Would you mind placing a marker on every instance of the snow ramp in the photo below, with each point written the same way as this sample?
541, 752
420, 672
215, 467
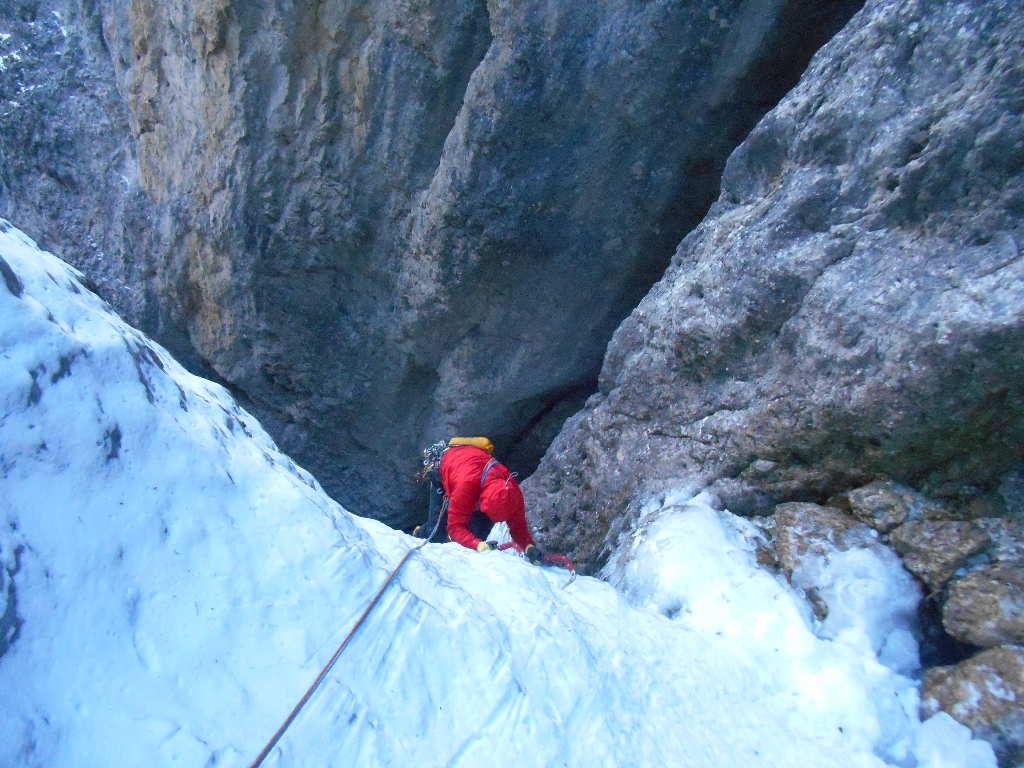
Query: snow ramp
172, 583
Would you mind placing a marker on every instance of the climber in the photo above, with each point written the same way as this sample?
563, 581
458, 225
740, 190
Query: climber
479, 492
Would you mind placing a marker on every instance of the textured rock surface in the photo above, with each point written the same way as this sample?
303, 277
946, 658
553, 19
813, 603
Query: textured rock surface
802, 529
986, 607
1007, 539
884, 505
852, 305
933, 550
985, 693
68, 173
388, 221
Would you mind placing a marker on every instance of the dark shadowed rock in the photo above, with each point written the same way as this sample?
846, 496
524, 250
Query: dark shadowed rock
853, 304
985, 693
986, 607
933, 550
740, 498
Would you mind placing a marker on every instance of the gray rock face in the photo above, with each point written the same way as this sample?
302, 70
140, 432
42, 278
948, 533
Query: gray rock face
386, 222
852, 305
986, 607
985, 694
68, 174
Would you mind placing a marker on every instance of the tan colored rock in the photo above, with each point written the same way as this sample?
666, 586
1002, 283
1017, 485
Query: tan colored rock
802, 529
986, 607
933, 550
885, 504
985, 693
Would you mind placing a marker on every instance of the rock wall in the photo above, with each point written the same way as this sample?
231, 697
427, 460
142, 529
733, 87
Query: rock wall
385, 222
852, 305
68, 172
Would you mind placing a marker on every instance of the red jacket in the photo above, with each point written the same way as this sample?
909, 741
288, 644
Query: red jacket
498, 497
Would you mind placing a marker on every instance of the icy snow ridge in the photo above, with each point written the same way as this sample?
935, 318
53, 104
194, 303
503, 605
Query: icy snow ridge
172, 584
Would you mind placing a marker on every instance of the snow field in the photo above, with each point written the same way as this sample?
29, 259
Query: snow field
179, 583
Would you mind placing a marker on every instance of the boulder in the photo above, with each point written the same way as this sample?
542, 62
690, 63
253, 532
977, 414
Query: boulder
986, 607
851, 580
933, 550
985, 693
851, 306
885, 504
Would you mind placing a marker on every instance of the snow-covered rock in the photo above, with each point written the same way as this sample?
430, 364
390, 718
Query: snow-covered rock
984, 693
172, 584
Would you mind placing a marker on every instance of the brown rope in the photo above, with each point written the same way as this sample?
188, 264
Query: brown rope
319, 679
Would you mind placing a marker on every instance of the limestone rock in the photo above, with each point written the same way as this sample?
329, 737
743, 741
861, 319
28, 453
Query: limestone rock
814, 544
853, 304
884, 505
986, 607
933, 550
985, 693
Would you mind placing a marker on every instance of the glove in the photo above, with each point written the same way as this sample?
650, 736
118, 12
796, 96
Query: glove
483, 546
534, 555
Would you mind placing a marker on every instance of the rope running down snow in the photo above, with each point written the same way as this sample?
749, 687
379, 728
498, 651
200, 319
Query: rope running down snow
319, 679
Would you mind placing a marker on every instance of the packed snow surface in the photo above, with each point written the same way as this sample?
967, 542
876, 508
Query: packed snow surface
172, 584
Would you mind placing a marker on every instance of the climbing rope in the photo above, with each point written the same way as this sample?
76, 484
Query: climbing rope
323, 673
548, 560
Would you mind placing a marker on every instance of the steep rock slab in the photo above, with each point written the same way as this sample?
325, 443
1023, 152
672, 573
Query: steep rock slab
392, 221
984, 693
852, 305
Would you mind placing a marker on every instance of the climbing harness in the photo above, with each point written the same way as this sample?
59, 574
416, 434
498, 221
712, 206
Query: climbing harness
323, 673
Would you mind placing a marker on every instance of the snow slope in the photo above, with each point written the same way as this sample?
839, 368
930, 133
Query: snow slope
172, 584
